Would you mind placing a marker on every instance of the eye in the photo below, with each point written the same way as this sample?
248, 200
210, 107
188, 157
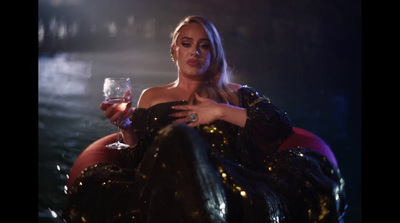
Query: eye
205, 46
185, 44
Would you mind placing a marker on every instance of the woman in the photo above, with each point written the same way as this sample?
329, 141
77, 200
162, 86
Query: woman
203, 149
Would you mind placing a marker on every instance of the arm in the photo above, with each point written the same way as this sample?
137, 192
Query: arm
267, 126
130, 137
232, 114
208, 111
131, 134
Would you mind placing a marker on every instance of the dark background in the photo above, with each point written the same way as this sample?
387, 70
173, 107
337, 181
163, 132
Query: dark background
304, 55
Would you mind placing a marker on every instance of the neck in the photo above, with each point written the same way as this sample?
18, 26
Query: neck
186, 84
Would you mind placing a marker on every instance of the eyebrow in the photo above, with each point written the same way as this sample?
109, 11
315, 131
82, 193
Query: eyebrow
189, 38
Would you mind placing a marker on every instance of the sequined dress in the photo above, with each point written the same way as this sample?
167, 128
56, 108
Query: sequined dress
215, 173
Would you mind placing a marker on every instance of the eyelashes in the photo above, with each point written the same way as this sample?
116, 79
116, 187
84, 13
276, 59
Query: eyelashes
204, 46
186, 45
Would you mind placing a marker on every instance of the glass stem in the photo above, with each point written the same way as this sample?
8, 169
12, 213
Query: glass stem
118, 130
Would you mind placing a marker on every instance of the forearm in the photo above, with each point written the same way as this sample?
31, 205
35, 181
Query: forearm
129, 136
232, 114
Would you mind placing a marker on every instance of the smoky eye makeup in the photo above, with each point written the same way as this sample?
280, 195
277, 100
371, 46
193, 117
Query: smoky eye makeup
205, 46
186, 44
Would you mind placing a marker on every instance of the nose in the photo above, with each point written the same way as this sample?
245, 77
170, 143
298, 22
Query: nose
196, 51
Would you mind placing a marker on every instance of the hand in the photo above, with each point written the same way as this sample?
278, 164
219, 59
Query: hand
118, 113
207, 111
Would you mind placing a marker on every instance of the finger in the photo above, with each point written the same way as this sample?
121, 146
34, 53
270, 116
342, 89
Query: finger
179, 114
182, 107
128, 105
124, 107
116, 116
127, 114
110, 110
104, 105
122, 115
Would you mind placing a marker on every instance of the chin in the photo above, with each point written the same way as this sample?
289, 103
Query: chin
193, 72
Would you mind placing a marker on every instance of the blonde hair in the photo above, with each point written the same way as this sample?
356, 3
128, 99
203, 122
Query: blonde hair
217, 77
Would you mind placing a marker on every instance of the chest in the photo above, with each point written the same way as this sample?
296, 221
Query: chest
170, 96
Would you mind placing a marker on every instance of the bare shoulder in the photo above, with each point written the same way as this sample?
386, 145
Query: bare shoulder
235, 86
149, 95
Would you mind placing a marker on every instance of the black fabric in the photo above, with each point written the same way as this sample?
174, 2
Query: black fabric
213, 173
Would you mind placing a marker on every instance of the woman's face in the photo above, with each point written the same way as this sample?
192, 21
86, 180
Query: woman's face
192, 51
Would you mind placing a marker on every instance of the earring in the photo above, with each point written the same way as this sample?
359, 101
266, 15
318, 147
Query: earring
172, 53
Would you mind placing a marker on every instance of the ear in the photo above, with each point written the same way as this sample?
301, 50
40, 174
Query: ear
172, 51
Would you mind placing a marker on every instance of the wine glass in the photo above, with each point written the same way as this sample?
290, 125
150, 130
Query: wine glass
118, 91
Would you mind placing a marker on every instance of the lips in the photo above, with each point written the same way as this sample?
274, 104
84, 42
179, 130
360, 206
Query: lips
193, 63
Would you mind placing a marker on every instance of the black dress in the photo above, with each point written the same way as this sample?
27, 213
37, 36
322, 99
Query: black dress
217, 172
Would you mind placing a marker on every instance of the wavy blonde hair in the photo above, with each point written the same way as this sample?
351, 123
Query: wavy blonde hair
217, 77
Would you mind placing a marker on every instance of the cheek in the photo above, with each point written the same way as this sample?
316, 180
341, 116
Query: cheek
180, 51
207, 60
176, 51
